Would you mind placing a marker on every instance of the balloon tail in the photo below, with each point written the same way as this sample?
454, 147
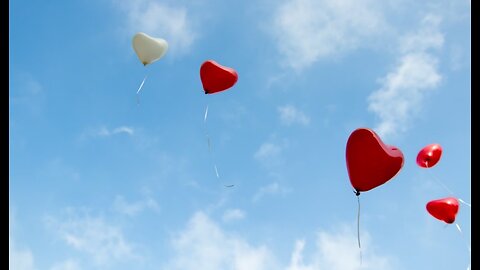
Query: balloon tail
458, 227
467, 204
209, 143
468, 245
447, 189
216, 171
358, 226
440, 183
209, 146
206, 113
140, 88
141, 85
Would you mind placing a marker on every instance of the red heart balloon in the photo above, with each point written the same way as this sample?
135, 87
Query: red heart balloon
445, 209
216, 78
429, 155
370, 162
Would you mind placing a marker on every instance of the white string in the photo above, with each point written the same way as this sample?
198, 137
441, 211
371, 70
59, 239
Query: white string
205, 117
140, 88
210, 146
468, 245
446, 188
358, 226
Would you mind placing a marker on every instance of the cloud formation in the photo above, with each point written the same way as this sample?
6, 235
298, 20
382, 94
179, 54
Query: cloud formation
400, 97
134, 208
290, 115
103, 241
233, 214
106, 132
203, 244
158, 19
309, 30
20, 259
270, 189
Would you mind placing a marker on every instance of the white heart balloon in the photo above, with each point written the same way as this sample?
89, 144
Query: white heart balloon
149, 49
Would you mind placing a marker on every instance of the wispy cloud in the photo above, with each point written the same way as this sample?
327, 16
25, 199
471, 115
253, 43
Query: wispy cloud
339, 251
290, 115
106, 132
69, 264
271, 189
104, 242
203, 244
403, 89
267, 150
134, 208
233, 214
170, 22
20, 259
309, 30
270, 153
27, 93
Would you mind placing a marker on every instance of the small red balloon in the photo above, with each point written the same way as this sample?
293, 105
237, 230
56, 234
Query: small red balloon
370, 162
445, 209
429, 155
216, 78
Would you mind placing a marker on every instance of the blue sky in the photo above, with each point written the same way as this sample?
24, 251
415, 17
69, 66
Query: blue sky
97, 181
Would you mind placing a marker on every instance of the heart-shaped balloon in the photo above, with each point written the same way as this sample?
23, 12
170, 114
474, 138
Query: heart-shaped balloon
445, 209
216, 78
149, 49
429, 155
370, 162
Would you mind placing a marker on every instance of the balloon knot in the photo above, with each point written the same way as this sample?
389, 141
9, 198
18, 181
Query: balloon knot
357, 193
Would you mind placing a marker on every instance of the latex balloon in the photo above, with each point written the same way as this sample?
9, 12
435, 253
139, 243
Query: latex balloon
370, 162
216, 78
445, 209
429, 155
149, 49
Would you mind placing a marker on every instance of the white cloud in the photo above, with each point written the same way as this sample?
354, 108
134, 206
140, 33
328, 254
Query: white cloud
233, 214
104, 242
160, 20
27, 93
273, 188
66, 265
339, 251
20, 259
403, 90
203, 244
309, 30
105, 132
123, 129
268, 151
296, 262
426, 38
290, 115
133, 208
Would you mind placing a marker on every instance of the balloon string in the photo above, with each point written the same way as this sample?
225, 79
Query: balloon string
468, 245
210, 146
140, 88
358, 225
205, 117
446, 188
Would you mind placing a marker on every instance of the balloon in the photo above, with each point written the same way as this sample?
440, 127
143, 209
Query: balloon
370, 162
149, 49
216, 78
444, 209
429, 155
